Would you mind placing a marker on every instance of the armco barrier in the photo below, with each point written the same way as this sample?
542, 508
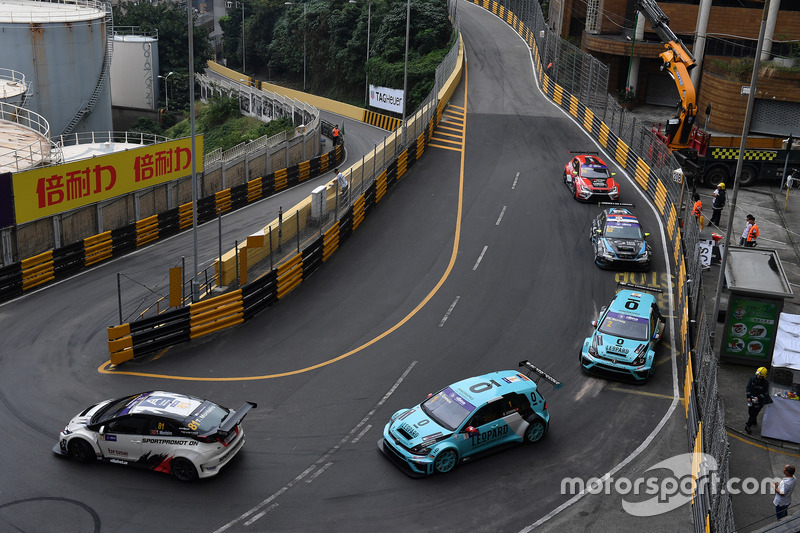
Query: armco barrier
278, 282
33, 272
651, 166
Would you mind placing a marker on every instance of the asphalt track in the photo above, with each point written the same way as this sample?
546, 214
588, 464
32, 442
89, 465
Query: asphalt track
475, 260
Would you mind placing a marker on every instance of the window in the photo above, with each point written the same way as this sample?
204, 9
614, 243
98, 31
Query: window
163, 427
488, 413
126, 426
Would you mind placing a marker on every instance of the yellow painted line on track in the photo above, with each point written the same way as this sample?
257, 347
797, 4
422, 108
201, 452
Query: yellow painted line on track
763, 447
107, 367
641, 393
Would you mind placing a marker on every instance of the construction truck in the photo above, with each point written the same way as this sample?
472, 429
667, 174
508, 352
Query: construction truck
705, 159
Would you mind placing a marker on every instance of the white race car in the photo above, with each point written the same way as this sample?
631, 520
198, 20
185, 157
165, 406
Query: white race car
174, 433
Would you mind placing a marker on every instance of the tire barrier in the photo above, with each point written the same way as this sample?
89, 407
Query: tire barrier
33, 272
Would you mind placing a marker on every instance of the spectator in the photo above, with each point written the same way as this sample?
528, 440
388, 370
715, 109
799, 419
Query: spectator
342, 181
718, 203
783, 491
750, 232
335, 134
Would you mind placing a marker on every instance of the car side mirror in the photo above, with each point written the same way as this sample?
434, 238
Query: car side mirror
656, 335
102, 430
471, 430
646, 235
598, 231
594, 323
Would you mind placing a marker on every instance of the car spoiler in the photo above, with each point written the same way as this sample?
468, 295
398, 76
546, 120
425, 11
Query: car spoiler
541, 373
640, 287
616, 204
235, 417
583, 152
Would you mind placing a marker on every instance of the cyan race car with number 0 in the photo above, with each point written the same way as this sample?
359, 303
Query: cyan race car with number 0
182, 435
466, 419
625, 336
619, 241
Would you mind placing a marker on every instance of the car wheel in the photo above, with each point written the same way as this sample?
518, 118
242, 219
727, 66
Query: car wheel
183, 469
445, 461
718, 174
535, 431
81, 451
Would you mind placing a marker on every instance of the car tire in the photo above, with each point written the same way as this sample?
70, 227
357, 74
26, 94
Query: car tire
717, 174
81, 451
183, 469
749, 176
535, 431
445, 461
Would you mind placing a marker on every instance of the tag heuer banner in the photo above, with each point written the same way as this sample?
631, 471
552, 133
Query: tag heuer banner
385, 98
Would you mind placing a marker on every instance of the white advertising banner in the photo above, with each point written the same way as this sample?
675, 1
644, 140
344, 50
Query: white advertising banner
385, 98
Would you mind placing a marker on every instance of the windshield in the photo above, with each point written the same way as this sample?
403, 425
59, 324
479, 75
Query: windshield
447, 408
594, 172
627, 326
114, 409
622, 229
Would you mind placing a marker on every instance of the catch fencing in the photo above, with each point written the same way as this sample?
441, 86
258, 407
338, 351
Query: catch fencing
578, 83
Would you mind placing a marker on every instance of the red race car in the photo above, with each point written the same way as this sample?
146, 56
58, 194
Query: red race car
588, 177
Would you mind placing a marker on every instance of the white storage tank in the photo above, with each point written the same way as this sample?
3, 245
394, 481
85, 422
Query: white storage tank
61, 47
134, 69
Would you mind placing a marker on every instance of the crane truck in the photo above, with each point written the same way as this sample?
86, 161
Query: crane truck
709, 160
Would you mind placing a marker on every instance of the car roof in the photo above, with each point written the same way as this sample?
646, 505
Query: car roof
505, 381
586, 159
623, 296
162, 403
621, 217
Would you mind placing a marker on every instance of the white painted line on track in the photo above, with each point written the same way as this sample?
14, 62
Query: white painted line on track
364, 432
516, 179
316, 474
480, 258
318, 462
450, 310
675, 389
503, 212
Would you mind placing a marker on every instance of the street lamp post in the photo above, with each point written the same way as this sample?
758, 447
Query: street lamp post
405, 69
244, 69
304, 42
166, 89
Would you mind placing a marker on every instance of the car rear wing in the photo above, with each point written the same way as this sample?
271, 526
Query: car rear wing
541, 373
235, 417
640, 287
616, 204
583, 152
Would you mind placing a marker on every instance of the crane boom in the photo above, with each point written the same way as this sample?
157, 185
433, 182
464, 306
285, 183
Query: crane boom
677, 61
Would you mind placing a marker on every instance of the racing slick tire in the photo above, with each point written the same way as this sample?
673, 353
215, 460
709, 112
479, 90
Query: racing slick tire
183, 469
445, 461
81, 451
535, 431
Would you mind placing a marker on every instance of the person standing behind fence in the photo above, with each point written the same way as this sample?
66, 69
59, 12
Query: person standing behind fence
718, 203
342, 181
697, 210
757, 397
749, 234
336, 135
783, 491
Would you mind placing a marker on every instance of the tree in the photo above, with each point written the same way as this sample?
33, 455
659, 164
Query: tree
169, 20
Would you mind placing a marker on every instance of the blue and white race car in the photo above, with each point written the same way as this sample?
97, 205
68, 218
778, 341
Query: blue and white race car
618, 240
625, 336
467, 419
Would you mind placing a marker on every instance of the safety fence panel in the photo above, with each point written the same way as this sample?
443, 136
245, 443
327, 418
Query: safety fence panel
577, 83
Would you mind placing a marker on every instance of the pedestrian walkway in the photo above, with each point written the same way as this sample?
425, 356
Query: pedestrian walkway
754, 456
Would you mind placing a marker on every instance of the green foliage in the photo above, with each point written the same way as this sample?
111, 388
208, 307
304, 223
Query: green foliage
146, 125
224, 127
739, 69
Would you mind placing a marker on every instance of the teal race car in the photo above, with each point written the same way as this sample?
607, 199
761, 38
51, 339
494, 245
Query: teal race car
468, 419
625, 336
